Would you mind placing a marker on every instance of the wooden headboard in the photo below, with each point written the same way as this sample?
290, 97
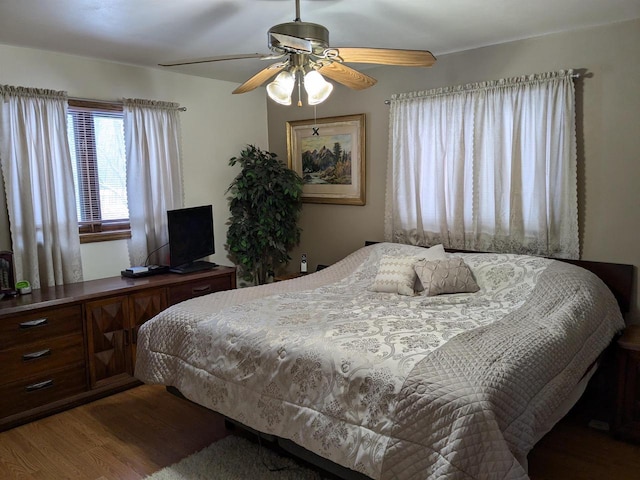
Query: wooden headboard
617, 276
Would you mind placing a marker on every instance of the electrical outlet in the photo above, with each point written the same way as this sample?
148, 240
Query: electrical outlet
303, 263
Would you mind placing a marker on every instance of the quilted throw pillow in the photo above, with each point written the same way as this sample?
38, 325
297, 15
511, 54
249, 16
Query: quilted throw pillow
395, 275
445, 276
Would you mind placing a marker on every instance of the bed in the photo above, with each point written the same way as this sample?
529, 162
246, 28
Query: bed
446, 378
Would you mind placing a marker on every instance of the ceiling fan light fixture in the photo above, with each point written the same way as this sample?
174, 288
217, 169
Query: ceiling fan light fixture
318, 89
306, 46
281, 88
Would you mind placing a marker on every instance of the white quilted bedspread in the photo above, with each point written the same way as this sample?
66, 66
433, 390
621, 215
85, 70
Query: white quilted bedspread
453, 386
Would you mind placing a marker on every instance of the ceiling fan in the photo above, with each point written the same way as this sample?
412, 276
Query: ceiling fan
304, 55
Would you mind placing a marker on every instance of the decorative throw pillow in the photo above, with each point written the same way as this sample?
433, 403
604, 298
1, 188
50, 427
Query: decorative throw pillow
445, 276
395, 275
432, 253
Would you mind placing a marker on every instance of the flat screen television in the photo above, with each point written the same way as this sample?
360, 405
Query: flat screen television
190, 238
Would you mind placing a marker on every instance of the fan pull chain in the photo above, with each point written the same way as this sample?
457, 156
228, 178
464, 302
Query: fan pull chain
315, 129
315, 122
299, 95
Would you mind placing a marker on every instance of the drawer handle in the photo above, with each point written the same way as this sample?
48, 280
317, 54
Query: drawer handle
34, 355
34, 323
39, 386
202, 289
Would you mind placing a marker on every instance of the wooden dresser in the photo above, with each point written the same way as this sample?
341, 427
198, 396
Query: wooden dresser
67, 345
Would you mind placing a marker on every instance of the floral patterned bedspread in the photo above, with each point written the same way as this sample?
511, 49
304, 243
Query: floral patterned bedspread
336, 368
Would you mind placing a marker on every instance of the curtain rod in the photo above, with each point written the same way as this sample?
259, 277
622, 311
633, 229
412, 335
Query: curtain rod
114, 102
573, 75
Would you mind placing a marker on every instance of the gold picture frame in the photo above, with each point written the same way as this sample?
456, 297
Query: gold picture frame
329, 154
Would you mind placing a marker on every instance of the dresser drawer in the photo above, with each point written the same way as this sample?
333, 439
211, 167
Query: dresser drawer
36, 391
42, 324
197, 288
36, 358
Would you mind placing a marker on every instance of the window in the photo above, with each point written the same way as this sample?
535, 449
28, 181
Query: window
488, 166
96, 139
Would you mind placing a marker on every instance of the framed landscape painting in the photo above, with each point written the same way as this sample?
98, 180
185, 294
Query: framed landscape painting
329, 155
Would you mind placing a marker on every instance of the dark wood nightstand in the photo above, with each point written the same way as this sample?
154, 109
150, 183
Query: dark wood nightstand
626, 421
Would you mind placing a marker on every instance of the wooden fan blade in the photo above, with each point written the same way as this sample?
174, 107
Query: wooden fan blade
260, 77
387, 56
240, 56
347, 76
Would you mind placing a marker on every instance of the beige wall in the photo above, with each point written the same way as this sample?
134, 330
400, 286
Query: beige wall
608, 141
215, 127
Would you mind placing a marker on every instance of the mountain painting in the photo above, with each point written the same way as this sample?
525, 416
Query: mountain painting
327, 159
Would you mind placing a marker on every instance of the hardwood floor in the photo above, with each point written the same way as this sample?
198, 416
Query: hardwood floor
125, 436
574, 451
135, 433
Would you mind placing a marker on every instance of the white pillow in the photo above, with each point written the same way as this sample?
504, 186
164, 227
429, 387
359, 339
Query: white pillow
434, 253
395, 275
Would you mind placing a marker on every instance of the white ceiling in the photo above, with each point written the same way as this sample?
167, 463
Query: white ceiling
147, 32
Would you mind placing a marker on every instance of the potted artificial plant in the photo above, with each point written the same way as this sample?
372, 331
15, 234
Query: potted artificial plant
265, 202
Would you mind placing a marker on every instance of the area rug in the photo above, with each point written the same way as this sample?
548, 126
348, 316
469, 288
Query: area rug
235, 458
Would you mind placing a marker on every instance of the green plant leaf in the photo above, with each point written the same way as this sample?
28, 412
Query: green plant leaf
265, 200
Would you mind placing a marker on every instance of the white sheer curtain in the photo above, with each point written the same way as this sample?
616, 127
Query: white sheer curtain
154, 174
38, 176
488, 166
